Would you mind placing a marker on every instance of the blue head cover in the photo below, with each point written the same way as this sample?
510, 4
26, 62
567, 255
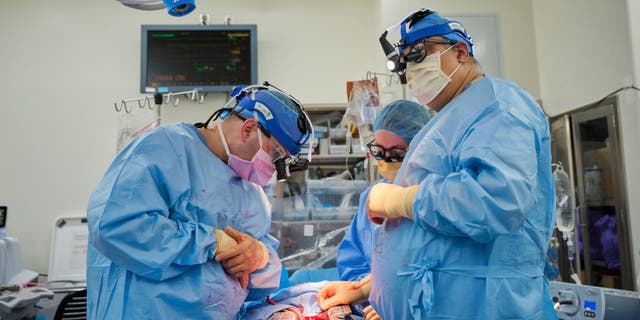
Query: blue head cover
278, 113
403, 118
431, 25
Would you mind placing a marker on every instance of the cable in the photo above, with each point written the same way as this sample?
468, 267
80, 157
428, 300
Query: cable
594, 104
597, 103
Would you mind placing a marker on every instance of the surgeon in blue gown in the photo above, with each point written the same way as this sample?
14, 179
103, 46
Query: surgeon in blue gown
178, 225
394, 128
467, 221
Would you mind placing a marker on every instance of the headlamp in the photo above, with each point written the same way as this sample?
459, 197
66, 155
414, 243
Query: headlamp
412, 30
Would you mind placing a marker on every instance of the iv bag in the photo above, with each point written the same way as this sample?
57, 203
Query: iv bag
565, 204
363, 107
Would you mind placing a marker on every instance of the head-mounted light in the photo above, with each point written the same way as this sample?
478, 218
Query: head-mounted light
412, 30
392, 52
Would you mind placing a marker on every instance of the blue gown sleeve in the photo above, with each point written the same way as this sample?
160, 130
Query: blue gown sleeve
353, 262
132, 225
490, 191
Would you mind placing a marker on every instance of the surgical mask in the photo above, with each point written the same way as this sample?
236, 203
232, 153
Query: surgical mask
426, 79
388, 170
259, 170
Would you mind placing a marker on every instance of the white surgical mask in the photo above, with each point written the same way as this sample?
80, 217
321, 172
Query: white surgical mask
426, 79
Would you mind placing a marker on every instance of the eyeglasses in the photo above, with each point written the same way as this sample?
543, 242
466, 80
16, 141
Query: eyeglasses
393, 154
418, 50
277, 152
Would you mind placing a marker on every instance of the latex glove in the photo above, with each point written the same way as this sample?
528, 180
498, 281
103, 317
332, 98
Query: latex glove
244, 258
224, 242
371, 314
388, 200
344, 292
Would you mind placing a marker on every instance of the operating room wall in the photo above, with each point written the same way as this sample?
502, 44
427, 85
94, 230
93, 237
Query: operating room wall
586, 50
515, 31
64, 63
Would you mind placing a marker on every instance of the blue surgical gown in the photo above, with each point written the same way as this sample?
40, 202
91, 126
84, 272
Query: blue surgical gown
151, 238
354, 251
483, 214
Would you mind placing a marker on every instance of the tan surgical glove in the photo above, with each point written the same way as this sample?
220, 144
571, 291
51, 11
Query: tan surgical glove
247, 256
390, 201
370, 313
240, 255
224, 241
344, 292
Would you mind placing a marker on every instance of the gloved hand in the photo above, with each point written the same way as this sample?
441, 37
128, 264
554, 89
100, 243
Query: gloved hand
244, 258
388, 200
344, 292
224, 241
370, 313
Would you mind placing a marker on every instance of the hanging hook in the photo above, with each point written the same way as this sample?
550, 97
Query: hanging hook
369, 75
201, 98
124, 106
115, 105
177, 100
166, 101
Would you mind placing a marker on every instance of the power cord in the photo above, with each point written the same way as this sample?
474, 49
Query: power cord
597, 103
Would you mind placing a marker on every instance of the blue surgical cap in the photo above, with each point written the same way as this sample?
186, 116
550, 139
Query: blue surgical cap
278, 114
435, 25
403, 118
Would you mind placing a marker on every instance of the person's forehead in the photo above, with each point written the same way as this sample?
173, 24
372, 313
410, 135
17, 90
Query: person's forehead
388, 139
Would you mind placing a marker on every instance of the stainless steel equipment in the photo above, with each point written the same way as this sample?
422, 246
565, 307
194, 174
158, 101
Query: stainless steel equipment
587, 142
572, 301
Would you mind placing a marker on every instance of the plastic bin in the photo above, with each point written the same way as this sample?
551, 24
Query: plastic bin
310, 226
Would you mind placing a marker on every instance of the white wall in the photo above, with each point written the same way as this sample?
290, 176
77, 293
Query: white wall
64, 63
516, 31
586, 50
583, 51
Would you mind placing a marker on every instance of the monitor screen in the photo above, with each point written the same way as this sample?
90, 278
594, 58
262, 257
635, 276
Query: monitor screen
210, 58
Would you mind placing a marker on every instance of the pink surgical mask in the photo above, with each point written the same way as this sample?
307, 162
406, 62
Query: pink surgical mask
259, 170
